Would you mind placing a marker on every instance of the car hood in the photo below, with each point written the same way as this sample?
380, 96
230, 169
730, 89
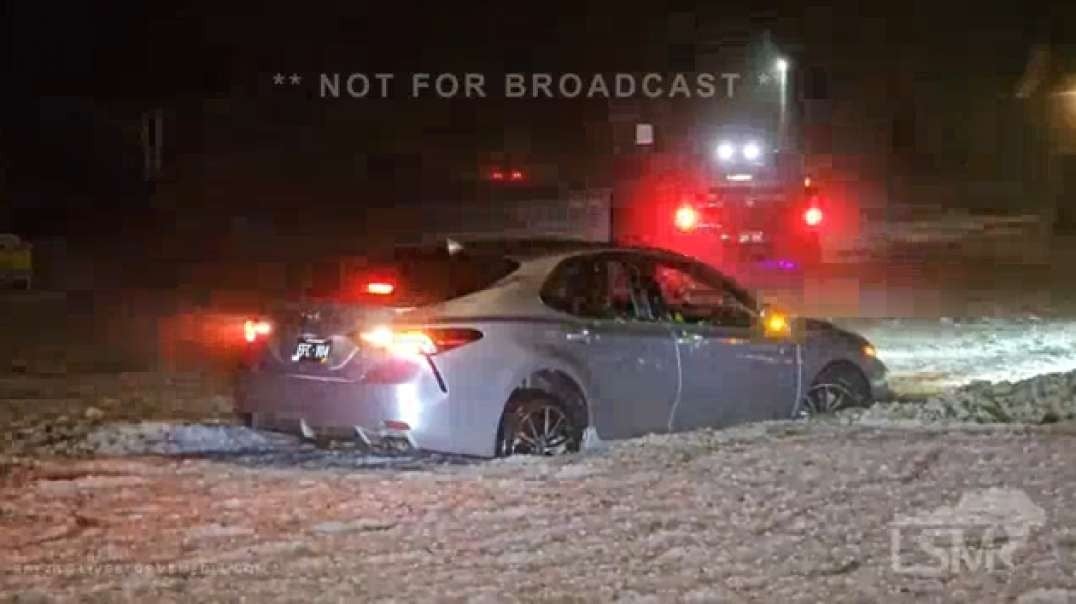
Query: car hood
811, 324
821, 327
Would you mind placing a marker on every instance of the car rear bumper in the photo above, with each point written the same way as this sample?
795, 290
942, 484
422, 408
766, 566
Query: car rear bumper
416, 412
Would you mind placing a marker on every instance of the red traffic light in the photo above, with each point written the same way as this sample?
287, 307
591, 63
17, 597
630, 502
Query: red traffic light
686, 218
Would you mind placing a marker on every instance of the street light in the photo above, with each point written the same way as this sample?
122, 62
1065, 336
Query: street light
782, 124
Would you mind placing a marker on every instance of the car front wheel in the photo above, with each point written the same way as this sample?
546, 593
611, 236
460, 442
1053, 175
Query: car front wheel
837, 387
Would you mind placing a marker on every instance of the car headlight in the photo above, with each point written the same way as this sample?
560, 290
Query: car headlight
725, 151
869, 351
752, 151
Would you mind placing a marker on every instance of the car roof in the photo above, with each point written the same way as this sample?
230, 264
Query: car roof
536, 255
517, 293
534, 249
540, 264
523, 249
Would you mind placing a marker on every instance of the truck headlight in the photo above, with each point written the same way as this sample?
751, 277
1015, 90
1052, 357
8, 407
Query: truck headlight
725, 151
752, 151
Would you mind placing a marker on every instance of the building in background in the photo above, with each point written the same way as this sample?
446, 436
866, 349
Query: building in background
1046, 93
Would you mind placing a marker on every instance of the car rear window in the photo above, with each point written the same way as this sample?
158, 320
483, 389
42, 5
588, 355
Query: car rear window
417, 277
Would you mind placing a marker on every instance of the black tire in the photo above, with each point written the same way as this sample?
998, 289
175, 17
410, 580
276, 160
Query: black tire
537, 423
838, 386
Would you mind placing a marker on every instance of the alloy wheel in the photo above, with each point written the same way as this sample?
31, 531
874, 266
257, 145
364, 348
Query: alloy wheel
541, 430
827, 398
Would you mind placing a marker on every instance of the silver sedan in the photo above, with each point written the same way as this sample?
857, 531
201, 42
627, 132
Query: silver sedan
501, 348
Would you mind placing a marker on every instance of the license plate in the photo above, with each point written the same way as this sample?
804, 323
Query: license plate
312, 350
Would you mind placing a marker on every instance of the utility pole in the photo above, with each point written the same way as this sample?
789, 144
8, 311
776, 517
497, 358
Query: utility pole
152, 142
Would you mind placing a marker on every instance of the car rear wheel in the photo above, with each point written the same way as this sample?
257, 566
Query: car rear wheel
536, 423
837, 387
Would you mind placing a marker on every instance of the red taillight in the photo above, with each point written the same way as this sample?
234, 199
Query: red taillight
452, 337
813, 216
413, 342
380, 288
397, 425
252, 329
686, 218
497, 175
516, 175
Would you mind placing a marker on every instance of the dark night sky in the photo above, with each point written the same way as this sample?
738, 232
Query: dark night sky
155, 49
74, 68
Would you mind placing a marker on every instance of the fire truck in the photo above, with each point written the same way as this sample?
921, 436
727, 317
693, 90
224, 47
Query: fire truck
754, 208
728, 182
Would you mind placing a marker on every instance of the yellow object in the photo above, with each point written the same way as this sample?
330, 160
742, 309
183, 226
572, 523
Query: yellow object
16, 259
870, 351
776, 324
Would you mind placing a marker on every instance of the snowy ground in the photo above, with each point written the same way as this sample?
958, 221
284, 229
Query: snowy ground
136, 487
782, 512
929, 355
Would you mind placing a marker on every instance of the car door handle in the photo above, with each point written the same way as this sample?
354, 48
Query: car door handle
582, 336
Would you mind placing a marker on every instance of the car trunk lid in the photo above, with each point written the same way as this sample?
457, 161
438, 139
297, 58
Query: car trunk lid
321, 337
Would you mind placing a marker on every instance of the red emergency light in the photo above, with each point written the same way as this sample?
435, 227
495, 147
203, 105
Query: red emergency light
380, 288
686, 218
813, 216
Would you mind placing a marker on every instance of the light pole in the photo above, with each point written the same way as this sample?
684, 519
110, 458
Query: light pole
781, 66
